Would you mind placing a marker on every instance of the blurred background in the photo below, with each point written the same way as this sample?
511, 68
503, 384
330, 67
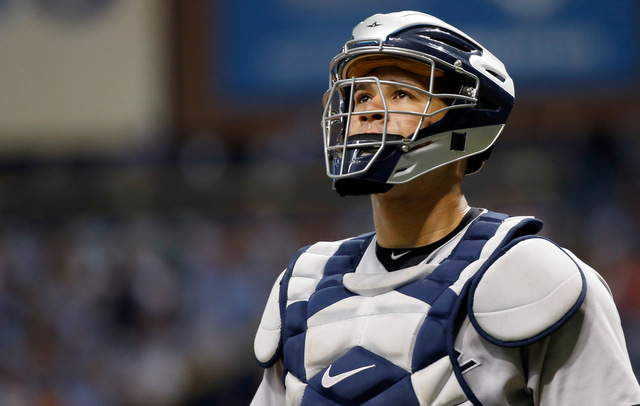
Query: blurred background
161, 161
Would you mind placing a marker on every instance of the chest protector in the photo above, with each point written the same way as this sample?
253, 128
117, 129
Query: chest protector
354, 336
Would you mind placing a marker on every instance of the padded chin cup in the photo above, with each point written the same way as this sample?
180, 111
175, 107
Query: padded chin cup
359, 187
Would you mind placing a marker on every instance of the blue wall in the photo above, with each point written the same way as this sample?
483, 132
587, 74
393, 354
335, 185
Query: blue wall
282, 48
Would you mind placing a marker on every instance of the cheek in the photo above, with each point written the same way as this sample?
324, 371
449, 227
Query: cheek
353, 127
410, 122
435, 106
404, 124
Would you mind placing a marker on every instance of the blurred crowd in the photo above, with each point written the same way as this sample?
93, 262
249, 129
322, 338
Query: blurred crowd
158, 304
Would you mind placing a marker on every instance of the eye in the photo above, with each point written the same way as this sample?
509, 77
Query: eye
403, 94
361, 97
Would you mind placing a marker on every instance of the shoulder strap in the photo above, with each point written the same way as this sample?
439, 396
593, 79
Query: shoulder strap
299, 281
444, 289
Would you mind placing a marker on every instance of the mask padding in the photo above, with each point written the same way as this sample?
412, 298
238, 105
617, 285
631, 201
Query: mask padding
359, 187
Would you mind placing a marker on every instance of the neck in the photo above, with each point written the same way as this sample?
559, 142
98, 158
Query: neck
420, 212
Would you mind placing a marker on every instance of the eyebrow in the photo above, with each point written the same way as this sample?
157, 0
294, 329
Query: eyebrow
363, 86
367, 86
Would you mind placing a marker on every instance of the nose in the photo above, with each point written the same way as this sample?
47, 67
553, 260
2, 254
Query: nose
371, 111
371, 117
367, 122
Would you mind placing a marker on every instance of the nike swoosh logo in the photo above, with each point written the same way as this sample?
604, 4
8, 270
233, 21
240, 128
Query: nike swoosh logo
394, 256
328, 380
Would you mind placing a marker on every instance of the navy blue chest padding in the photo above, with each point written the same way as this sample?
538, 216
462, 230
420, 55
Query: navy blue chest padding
431, 344
435, 337
368, 389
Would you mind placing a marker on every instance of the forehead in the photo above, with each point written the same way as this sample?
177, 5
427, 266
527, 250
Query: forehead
393, 73
363, 65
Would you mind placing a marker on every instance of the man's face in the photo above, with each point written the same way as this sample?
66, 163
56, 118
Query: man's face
398, 96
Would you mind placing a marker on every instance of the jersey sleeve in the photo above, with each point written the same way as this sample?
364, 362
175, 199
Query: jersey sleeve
271, 391
586, 361
583, 361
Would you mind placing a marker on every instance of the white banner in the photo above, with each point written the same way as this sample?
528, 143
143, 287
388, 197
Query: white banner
81, 75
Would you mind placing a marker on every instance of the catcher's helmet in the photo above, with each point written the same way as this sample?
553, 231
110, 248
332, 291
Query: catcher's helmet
474, 84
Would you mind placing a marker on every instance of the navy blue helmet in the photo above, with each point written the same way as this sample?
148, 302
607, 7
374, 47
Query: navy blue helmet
475, 86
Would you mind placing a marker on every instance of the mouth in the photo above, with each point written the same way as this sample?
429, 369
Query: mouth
368, 144
362, 138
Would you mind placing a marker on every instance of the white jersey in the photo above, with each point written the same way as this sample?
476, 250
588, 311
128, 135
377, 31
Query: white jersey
497, 334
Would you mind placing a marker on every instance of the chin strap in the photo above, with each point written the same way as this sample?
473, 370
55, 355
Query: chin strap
359, 187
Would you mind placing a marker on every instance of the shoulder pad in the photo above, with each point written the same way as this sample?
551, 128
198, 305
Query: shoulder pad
267, 342
304, 269
525, 291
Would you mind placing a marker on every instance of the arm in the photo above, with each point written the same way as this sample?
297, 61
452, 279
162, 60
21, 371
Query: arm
586, 361
271, 390
541, 349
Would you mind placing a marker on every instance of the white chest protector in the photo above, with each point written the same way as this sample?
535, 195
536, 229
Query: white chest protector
350, 333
